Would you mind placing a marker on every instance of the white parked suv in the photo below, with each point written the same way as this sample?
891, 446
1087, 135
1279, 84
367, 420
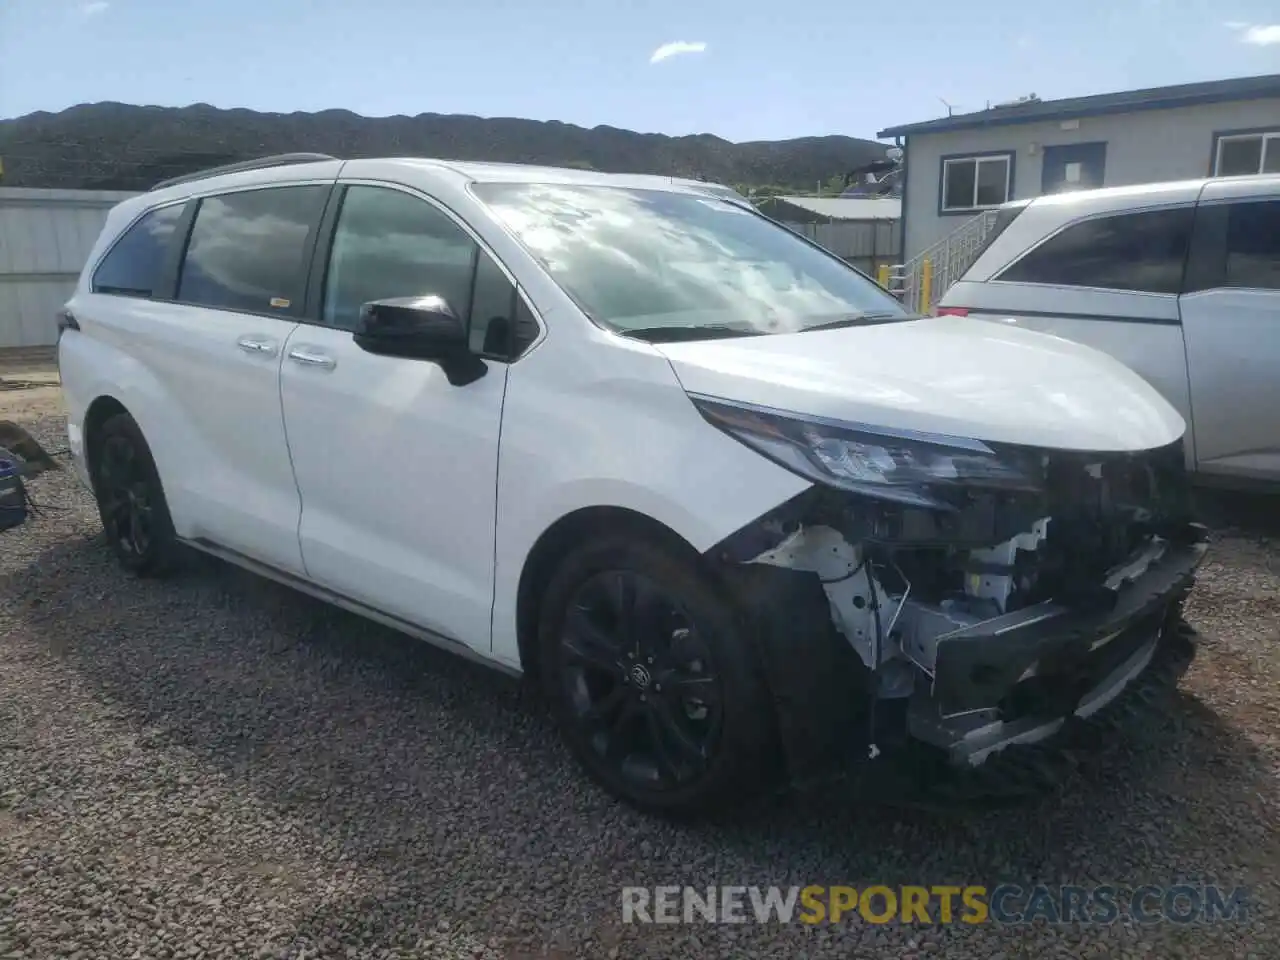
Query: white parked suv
1180, 281
737, 513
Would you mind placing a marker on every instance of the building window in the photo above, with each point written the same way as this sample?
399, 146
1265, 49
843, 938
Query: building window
976, 183
1247, 153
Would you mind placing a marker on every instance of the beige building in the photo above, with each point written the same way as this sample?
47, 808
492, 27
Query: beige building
958, 166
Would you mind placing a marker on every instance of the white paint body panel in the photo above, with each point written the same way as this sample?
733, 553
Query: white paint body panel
948, 375
1233, 372
396, 469
375, 479
209, 410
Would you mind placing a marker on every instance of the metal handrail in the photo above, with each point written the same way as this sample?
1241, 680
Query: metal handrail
922, 280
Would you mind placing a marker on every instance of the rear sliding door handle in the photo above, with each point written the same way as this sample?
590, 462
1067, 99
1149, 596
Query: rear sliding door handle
311, 358
257, 345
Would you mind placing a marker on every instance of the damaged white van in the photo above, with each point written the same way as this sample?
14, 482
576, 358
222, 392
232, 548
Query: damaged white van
741, 517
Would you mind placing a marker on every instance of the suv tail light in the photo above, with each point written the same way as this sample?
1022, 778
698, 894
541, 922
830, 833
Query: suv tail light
953, 311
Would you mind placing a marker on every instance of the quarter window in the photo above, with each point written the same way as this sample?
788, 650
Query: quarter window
248, 251
1133, 251
1253, 245
1247, 153
135, 265
390, 244
974, 183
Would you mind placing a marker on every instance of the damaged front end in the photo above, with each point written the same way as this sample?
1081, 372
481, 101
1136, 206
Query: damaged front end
956, 598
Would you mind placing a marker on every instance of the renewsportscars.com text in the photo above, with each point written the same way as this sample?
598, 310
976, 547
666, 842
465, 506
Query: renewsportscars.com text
938, 904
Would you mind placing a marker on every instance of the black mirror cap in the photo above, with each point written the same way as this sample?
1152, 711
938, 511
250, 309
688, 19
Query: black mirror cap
419, 328
427, 325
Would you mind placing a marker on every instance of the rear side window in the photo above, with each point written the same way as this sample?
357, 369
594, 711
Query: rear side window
1142, 251
249, 251
1253, 245
135, 266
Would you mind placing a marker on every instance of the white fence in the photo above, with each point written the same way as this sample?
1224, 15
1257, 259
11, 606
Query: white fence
45, 238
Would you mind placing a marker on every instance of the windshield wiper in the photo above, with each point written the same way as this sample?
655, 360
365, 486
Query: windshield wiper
715, 331
861, 320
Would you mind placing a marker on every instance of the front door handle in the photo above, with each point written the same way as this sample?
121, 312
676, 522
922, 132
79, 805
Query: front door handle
312, 359
257, 345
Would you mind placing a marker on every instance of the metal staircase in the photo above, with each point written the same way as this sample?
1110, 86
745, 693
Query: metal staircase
922, 280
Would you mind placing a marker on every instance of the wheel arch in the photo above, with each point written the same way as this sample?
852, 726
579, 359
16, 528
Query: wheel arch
102, 409
554, 545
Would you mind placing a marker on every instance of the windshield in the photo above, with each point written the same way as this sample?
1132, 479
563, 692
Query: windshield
645, 261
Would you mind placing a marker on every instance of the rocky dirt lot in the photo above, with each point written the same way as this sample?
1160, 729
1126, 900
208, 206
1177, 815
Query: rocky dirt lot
214, 766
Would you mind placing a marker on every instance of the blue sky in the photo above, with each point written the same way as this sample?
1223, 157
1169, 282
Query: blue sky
749, 69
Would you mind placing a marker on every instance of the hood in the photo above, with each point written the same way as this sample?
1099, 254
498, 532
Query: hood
950, 375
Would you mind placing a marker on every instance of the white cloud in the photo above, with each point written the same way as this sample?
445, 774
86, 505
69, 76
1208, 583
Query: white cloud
93, 8
1262, 36
676, 49
1258, 35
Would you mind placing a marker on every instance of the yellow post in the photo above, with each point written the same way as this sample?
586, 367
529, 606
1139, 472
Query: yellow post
882, 275
926, 286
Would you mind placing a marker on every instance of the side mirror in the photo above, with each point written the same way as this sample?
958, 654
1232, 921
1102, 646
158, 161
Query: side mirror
419, 328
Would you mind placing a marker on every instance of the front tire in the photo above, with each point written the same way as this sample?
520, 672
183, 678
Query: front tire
131, 501
653, 679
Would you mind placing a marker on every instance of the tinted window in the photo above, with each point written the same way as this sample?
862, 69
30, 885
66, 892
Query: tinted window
390, 244
135, 265
1253, 245
526, 328
248, 251
492, 310
1132, 251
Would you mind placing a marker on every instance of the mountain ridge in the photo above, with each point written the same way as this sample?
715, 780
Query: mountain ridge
117, 146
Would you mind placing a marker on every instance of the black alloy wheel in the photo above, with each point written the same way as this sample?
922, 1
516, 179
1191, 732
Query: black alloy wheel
131, 502
639, 680
127, 513
652, 677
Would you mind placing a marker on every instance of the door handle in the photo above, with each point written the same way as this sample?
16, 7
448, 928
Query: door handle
312, 359
256, 345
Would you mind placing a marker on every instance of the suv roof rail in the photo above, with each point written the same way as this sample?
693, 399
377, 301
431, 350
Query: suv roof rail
261, 163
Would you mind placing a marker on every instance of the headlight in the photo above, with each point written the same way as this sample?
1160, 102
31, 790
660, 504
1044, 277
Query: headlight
902, 466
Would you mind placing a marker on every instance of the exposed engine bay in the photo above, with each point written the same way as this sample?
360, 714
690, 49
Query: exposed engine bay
990, 621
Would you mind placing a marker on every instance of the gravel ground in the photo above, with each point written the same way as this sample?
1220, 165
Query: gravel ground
215, 766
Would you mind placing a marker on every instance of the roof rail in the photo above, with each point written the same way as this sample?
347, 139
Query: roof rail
261, 163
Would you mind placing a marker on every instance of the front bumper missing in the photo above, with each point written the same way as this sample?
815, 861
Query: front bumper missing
1017, 678
1007, 699
1042, 758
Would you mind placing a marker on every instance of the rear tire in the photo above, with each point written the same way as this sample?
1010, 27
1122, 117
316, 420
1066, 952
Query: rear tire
131, 502
653, 679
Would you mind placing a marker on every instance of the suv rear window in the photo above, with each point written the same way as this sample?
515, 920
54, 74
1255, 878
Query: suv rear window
1143, 251
135, 265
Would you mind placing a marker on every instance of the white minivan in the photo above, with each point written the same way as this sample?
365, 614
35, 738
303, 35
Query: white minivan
740, 516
